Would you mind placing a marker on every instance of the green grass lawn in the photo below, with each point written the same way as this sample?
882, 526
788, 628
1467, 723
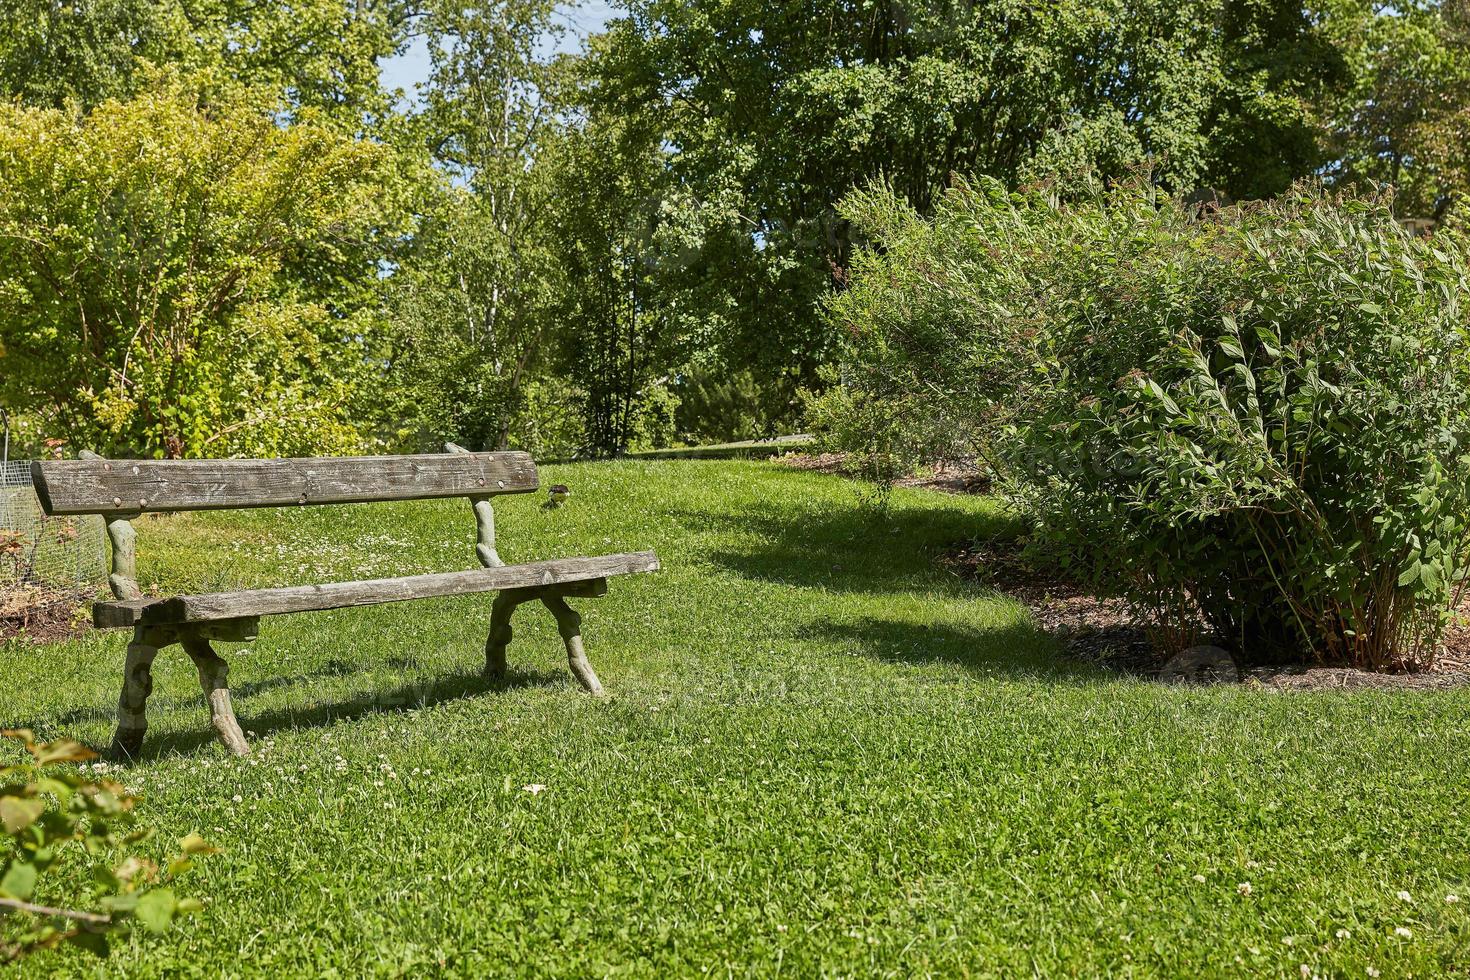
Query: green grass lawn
820, 755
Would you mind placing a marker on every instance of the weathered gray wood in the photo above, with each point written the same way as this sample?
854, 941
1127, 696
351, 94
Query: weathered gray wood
119, 487
569, 624
500, 630
123, 580
132, 704
242, 630
124, 577
484, 522
335, 595
214, 680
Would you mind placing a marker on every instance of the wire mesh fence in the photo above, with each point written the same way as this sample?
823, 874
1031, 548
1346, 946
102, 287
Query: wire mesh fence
60, 552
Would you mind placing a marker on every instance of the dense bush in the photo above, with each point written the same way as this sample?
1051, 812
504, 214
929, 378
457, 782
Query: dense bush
180, 274
1252, 420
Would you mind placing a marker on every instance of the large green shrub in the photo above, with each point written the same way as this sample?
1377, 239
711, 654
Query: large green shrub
1251, 419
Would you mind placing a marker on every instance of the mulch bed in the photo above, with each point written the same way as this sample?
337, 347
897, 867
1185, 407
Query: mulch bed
38, 614
1102, 631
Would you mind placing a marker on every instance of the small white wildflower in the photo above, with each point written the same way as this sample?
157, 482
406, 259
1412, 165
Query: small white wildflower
1451, 899
1288, 941
1403, 932
1244, 888
1252, 864
1372, 972
1200, 878
238, 798
534, 789
1404, 896
1344, 934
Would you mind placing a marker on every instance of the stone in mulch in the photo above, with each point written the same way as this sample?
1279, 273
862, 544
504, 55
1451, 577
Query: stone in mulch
1202, 664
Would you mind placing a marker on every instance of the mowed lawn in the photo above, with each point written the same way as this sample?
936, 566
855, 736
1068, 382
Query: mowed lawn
821, 755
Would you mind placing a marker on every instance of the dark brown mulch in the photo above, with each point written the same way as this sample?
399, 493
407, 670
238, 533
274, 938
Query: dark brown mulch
1102, 631
948, 476
42, 615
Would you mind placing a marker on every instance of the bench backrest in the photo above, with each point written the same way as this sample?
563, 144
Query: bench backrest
123, 486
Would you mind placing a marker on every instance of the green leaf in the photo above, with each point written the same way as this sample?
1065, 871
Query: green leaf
16, 813
156, 909
19, 881
63, 750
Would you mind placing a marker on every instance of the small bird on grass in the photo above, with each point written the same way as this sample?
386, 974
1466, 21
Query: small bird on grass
559, 493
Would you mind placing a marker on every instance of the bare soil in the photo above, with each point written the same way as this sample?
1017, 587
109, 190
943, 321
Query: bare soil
39, 614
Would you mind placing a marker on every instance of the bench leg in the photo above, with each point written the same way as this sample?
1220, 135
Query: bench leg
132, 704
569, 624
214, 679
500, 631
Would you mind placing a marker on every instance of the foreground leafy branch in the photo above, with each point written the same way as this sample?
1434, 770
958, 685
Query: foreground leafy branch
49, 808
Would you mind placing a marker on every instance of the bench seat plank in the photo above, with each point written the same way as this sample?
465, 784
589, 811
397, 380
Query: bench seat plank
120, 486
336, 595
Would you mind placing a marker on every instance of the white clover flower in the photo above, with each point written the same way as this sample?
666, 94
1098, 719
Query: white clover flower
238, 798
535, 789
1451, 899
1344, 934
1244, 888
1199, 878
1404, 896
1403, 932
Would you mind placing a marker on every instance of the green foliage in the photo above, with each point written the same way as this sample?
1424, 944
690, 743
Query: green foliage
1259, 416
1405, 118
771, 114
183, 279
722, 403
308, 54
622, 238
49, 809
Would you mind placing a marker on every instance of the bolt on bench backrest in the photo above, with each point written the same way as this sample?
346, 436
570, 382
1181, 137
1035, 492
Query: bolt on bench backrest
126, 487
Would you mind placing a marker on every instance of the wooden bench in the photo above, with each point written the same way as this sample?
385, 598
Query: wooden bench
121, 490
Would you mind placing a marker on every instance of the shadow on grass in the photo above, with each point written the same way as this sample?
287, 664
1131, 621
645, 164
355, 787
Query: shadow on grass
853, 549
1016, 650
418, 694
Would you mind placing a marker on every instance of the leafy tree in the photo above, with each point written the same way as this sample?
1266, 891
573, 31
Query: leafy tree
84, 51
474, 300
175, 281
1405, 121
772, 114
319, 54
617, 233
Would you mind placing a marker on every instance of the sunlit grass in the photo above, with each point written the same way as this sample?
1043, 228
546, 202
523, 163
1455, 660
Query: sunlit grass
820, 754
